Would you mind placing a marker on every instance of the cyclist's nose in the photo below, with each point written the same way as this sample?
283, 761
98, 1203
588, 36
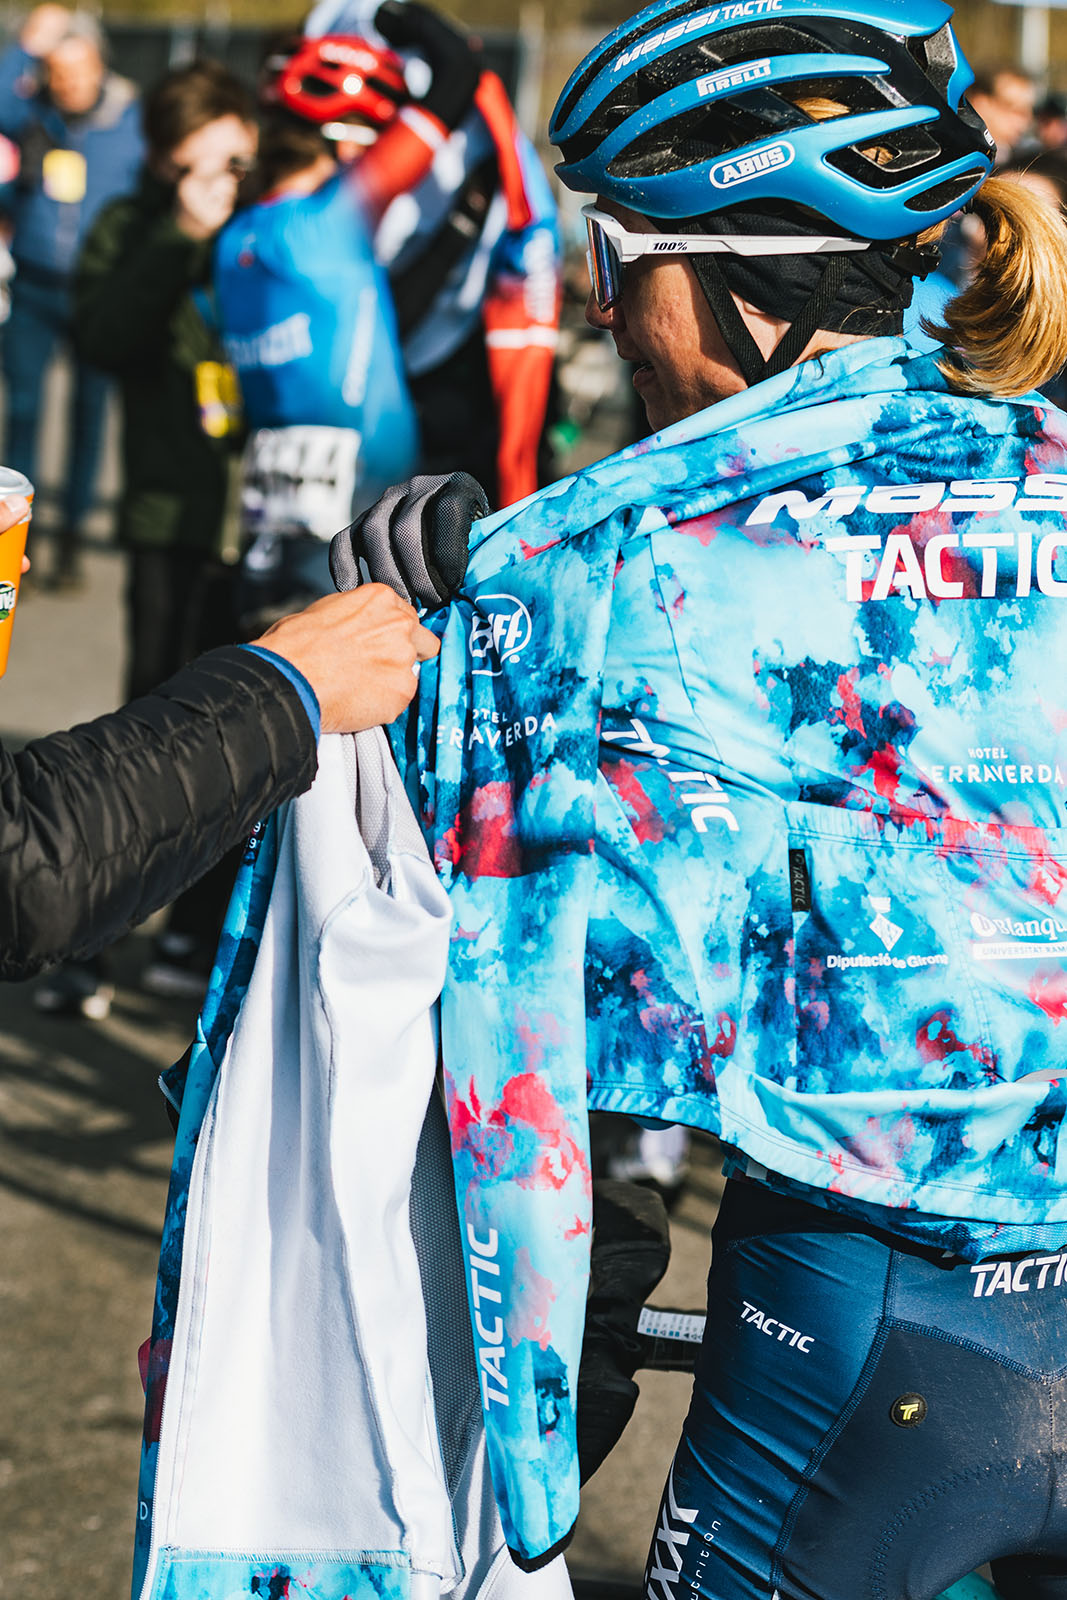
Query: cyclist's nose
612, 320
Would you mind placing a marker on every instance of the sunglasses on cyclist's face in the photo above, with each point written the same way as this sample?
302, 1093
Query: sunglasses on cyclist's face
612, 247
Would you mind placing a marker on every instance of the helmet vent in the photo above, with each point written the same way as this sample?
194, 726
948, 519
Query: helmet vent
882, 165
938, 58
945, 194
704, 132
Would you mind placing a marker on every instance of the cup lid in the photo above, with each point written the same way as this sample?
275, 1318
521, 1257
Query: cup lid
12, 482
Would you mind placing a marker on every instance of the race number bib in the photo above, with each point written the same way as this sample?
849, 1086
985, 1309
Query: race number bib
63, 175
299, 480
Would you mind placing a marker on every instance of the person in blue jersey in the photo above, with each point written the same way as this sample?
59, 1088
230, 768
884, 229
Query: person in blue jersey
767, 715
469, 241
472, 251
305, 310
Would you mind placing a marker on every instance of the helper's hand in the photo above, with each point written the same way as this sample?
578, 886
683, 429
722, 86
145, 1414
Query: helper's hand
13, 510
203, 203
415, 538
43, 29
454, 60
207, 173
358, 652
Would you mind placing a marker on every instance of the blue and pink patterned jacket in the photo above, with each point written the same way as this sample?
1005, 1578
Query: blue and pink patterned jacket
744, 763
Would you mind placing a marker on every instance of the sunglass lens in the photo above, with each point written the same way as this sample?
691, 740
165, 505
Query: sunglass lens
605, 269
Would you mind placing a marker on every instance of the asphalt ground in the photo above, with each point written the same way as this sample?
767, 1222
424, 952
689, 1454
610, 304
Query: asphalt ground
84, 1158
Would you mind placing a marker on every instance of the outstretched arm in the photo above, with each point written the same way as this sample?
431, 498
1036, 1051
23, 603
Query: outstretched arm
103, 825
403, 154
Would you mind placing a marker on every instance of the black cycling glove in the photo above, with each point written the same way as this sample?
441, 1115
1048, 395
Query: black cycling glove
630, 1254
454, 61
414, 539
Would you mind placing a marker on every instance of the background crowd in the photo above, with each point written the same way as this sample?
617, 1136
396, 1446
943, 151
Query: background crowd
301, 288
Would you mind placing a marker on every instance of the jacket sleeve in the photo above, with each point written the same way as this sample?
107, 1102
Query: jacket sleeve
131, 275
397, 161
101, 826
15, 109
521, 316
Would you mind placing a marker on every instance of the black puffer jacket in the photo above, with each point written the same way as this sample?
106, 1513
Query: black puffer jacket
103, 825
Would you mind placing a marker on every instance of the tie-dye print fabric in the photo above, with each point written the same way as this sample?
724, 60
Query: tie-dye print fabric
744, 764
214, 1576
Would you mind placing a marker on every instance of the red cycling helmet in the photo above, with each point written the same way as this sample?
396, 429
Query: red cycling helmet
335, 78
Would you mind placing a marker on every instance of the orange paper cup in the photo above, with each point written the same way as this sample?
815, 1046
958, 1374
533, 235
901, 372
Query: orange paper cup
12, 550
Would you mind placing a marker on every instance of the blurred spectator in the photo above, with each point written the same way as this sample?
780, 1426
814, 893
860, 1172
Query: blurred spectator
1046, 175
77, 129
472, 252
1050, 122
142, 313
1004, 98
144, 266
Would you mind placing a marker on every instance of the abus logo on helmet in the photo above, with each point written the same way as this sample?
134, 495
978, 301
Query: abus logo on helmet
501, 628
743, 169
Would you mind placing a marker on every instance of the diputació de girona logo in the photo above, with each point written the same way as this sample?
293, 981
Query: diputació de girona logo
7, 600
501, 628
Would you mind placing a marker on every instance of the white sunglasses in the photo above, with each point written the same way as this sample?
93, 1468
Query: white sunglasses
612, 247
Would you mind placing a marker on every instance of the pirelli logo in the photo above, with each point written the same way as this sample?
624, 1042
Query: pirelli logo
733, 78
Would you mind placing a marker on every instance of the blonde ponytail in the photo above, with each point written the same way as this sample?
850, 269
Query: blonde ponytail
1006, 333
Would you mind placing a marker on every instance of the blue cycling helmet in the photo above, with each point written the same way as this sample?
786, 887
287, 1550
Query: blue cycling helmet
687, 109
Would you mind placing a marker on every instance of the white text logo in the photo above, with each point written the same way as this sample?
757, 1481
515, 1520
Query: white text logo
896, 564
742, 169
491, 1331
990, 764
275, 346
671, 1540
781, 1331
1007, 939
707, 799
888, 935
490, 728
1013, 1277
501, 628
742, 10
735, 78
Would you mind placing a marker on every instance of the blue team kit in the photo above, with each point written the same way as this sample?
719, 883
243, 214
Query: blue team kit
743, 763
310, 326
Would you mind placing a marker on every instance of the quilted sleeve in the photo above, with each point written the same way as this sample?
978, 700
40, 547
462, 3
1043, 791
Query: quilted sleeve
101, 826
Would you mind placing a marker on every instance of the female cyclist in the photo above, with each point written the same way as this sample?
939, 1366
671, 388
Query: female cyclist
815, 623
